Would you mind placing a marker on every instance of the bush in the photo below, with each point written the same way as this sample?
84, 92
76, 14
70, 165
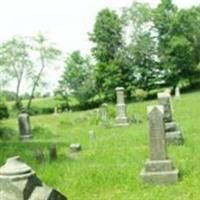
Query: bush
140, 94
6, 133
3, 111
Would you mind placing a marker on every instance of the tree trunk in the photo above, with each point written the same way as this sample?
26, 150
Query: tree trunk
35, 83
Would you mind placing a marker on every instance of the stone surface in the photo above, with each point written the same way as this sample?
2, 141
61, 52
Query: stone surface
164, 99
159, 168
103, 115
75, 147
24, 126
173, 134
19, 182
174, 137
177, 93
53, 152
121, 119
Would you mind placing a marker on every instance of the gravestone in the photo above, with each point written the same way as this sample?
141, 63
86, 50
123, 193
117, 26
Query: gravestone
173, 134
159, 168
103, 115
53, 152
19, 182
177, 93
24, 126
39, 156
121, 119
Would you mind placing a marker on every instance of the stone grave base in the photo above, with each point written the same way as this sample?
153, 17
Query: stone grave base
173, 134
25, 137
174, 137
170, 126
159, 172
122, 121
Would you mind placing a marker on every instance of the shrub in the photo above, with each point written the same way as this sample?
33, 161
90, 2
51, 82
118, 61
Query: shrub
140, 94
6, 133
3, 111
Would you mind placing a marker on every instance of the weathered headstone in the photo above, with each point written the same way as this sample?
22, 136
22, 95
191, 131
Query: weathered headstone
39, 156
121, 119
103, 115
177, 93
19, 182
159, 168
24, 126
53, 152
173, 134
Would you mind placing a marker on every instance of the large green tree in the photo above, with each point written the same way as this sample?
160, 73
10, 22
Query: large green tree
107, 39
139, 48
77, 78
178, 42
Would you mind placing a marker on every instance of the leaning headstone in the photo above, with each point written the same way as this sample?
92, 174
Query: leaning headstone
53, 152
173, 134
177, 93
39, 156
121, 119
19, 182
75, 147
159, 168
24, 126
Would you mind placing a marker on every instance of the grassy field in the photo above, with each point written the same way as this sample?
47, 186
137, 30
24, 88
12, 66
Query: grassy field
108, 168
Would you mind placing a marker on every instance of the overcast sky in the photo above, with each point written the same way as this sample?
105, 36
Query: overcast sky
65, 22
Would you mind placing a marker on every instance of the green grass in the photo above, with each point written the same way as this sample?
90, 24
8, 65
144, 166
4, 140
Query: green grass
108, 168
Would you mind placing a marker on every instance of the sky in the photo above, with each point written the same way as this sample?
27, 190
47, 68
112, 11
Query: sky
65, 22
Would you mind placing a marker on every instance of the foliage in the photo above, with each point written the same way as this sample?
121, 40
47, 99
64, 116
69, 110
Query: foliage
107, 38
4, 113
178, 42
138, 54
78, 78
139, 94
16, 62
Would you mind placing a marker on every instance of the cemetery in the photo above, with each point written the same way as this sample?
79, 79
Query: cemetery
105, 105
109, 166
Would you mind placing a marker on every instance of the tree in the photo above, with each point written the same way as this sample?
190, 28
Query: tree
46, 53
16, 62
139, 63
178, 42
107, 37
78, 78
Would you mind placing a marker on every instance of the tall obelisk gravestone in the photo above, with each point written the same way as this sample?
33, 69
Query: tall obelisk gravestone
158, 169
121, 119
173, 134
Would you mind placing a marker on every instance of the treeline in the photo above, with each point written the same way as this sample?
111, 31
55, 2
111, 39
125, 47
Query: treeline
143, 49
